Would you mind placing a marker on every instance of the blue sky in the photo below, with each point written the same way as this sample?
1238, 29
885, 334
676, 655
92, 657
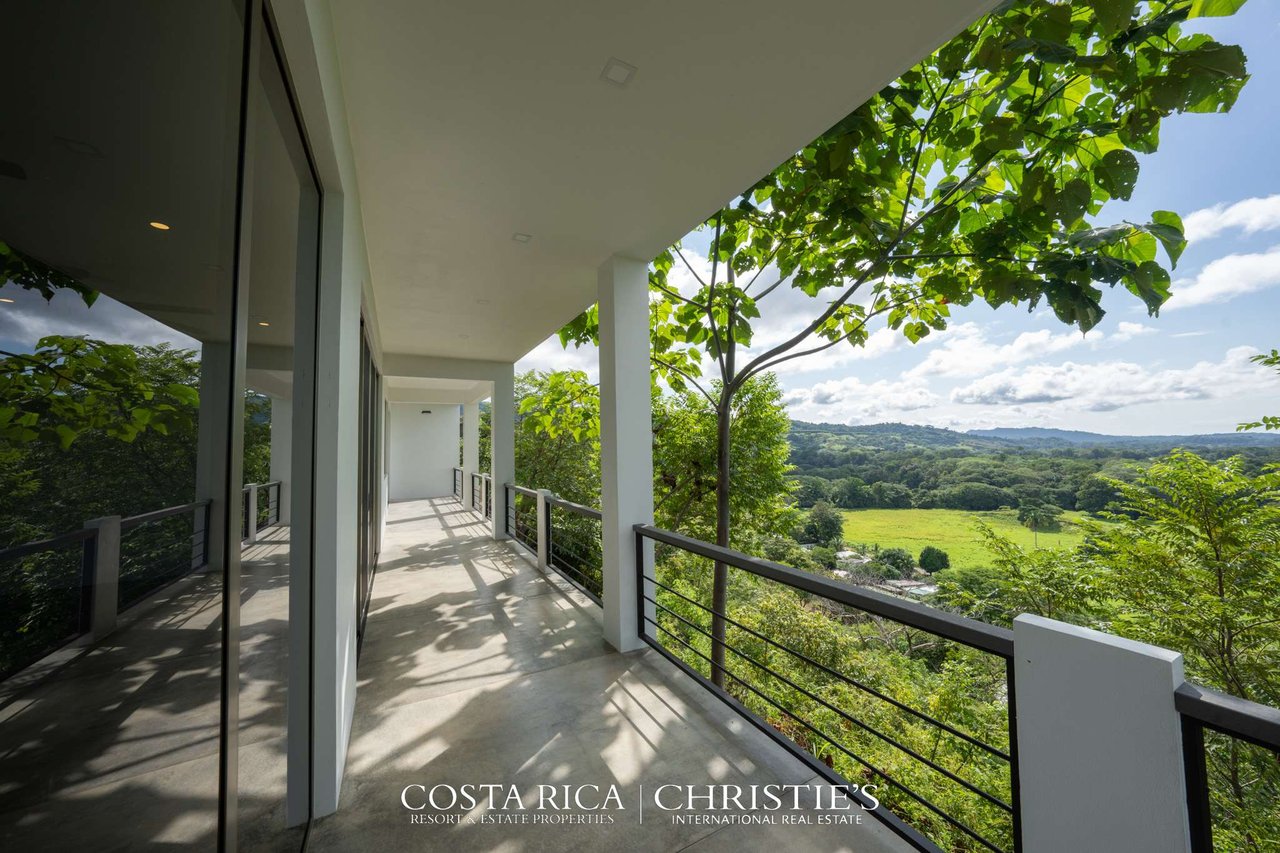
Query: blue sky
1186, 371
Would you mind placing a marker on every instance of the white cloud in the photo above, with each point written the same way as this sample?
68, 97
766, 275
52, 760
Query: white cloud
850, 400
30, 318
1226, 278
1127, 331
965, 350
1250, 216
1107, 386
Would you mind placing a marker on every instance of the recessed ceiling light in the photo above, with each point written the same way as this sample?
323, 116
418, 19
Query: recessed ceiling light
521, 238
482, 301
617, 72
263, 323
6, 300
159, 226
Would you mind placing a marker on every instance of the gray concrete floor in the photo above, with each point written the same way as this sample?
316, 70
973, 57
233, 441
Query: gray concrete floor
115, 747
478, 669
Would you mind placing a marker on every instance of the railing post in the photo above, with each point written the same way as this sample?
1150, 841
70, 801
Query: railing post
1099, 741
104, 588
252, 525
544, 528
1196, 771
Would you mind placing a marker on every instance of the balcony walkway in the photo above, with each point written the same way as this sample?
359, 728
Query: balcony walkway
118, 743
477, 669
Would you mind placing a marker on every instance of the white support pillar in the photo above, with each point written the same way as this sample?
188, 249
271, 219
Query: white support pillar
212, 443
251, 525
502, 445
626, 439
282, 452
470, 448
106, 576
1099, 741
544, 534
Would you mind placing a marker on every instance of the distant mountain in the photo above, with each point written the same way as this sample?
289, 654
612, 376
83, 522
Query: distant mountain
895, 436
1043, 437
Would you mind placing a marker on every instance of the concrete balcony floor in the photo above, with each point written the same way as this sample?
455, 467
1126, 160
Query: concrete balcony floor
477, 668
115, 746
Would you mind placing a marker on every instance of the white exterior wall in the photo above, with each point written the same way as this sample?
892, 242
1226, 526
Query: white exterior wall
425, 447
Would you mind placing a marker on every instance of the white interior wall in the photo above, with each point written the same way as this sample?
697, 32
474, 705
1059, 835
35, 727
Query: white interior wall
424, 441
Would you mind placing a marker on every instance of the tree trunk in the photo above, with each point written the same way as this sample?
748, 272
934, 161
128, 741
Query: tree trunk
720, 582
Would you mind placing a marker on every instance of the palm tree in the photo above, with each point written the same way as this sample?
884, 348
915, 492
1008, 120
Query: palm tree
1038, 516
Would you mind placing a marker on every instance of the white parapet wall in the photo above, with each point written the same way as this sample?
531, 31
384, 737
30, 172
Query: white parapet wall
1099, 742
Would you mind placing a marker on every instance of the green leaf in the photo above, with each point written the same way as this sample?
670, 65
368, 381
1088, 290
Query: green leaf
1166, 226
1113, 15
1117, 173
66, 435
1214, 8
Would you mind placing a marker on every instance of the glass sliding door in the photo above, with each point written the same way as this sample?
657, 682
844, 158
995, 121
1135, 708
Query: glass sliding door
121, 341
371, 480
281, 243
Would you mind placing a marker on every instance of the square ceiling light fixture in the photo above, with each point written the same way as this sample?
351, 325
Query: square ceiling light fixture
521, 238
617, 72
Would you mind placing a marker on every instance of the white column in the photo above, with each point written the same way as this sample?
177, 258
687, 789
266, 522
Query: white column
626, 439
106, 576
1099, 741
544, 534
212, 443
502, 445
282, 451
470, 448
251, 526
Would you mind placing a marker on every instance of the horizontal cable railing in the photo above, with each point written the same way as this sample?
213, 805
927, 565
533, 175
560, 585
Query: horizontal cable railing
946, 776
522, 516
49, 586
269, 510
574, 547
457, 483
157, 548
1231, 757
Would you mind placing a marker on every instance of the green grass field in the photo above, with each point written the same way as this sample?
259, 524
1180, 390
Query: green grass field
952, 530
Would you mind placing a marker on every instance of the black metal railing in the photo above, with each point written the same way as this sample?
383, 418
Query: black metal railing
457, 483
48, 586
268, 504
488, 495
574, 548
1231, 757
477, 492
157, 548
946, 776
522, 515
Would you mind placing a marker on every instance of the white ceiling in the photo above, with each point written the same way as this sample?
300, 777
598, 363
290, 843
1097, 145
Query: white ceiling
418, 389
473, 121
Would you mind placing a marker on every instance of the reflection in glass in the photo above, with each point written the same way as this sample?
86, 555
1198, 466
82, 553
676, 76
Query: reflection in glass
118, 160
